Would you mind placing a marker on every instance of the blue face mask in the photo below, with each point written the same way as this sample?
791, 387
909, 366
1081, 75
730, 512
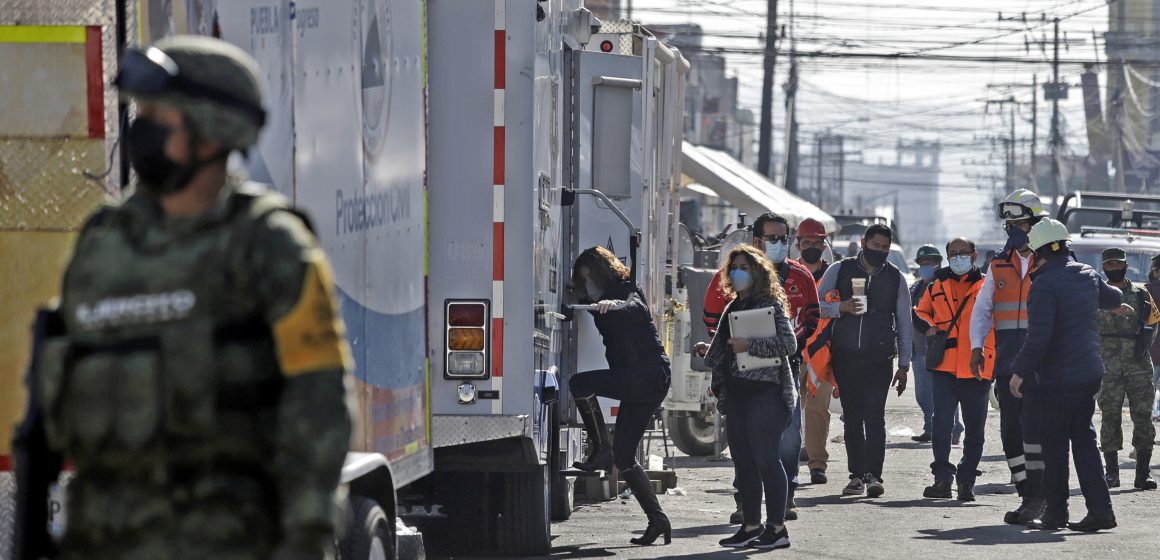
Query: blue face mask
926, 271
777, 252
961, 264
741, 279
1016, 238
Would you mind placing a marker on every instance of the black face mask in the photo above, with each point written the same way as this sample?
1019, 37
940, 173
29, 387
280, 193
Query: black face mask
812, 255
874, 257
1116, 276
159, 174
146, 140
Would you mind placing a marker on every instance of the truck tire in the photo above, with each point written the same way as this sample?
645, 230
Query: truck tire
523, 524
369, 535
692, 434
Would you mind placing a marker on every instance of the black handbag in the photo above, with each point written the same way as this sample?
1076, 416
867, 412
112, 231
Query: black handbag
936, 344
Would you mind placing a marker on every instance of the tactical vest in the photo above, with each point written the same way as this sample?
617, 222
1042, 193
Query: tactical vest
873, 333
1123, 330
1009, 311
166, 355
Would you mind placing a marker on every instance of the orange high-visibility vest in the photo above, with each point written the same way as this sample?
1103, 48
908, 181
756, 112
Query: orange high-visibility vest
816, 354
1009, 311
938, 306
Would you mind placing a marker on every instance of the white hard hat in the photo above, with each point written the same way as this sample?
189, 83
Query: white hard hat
1047, 231
1021, 205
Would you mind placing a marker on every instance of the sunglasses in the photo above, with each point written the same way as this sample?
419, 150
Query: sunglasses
152, 72
776, 238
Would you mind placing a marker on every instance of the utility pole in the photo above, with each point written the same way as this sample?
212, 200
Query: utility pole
818, 174
1034, 128
1056, 139
1008, 142
791, 134
841, 171
765, 134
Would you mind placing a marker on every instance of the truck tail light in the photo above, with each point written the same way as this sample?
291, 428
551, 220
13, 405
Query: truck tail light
466, 339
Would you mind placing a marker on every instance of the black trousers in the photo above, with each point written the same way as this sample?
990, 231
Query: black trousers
863, 384
1020, 422
1068, 411
639, 390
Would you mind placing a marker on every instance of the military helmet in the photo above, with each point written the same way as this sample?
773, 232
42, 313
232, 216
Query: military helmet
1021, 205
1113, 254
216, 85
1045, 232
928, 252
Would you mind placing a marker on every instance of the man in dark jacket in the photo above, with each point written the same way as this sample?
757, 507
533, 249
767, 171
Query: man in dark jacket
1059, 369
871, 326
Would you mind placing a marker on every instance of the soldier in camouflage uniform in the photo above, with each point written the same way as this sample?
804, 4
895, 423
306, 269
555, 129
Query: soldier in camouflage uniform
200, 389
1125, 338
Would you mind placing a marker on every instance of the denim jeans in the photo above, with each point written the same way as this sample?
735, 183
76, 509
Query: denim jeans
973, 397
756, 422
791, 446
924, 396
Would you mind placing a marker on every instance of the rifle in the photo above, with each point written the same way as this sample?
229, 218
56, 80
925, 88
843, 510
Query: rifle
37, 465
1146, 333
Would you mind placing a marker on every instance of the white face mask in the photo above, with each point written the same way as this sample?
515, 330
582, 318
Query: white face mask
961, 264
777, 252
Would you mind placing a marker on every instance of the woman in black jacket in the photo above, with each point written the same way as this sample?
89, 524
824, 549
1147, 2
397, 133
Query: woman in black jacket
638, 376
758, 401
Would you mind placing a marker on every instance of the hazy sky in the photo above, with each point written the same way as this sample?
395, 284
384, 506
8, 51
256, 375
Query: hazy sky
909, 99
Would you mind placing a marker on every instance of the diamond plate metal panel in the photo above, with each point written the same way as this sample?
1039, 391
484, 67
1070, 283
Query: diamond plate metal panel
7, 513
109, 62
617, 26
457, 430
41, 186
58, 12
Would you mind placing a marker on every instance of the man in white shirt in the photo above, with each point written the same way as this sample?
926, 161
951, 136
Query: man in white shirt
1002, 305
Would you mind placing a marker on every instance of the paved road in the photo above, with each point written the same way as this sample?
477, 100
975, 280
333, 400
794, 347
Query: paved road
901, 524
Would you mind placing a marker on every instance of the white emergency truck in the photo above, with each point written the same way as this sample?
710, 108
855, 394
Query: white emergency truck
455, 156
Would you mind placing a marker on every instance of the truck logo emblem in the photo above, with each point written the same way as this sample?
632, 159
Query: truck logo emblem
374, 36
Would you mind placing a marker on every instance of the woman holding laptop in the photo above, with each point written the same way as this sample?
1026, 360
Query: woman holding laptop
750, 360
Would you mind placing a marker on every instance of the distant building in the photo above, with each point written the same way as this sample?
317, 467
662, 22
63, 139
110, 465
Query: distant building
712, 117
906, 191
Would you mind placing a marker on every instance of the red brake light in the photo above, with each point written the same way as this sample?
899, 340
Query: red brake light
466, 315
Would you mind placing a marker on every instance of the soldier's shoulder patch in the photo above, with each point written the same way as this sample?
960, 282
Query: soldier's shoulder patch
311, 336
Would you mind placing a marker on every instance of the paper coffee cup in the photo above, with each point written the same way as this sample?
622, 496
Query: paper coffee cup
859, 285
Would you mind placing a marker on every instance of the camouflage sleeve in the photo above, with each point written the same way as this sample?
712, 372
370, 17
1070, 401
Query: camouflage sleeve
314, 413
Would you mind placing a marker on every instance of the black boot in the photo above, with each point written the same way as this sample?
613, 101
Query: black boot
658, 522
1012, 517
1095, 522
1143, 470
599, 442
1112, 469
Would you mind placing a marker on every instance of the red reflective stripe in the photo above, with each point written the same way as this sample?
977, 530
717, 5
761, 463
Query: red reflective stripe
497, 347
95, 82
500, 58
497, 235
497, 163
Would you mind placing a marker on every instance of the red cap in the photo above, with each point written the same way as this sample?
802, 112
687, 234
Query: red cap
811, 228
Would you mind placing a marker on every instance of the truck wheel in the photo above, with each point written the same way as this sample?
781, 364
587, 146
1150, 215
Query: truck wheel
693, 435
369, 535
523, 526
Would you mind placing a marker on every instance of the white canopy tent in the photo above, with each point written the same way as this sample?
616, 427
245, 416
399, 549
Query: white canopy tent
747, 189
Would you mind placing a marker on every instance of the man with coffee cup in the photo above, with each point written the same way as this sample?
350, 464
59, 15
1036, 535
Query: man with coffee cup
872, 325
